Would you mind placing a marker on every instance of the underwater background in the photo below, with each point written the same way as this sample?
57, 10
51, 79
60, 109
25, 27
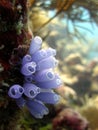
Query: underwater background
48, 65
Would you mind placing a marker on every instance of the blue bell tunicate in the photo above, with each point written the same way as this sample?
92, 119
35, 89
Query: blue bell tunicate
55, 83
42, 54
28, 68
16, 91
20, 102
29, 79
35, 45
51, 52
31, 90
44, 75
48, 97
39, 55
27, 58
37, 108
47, 63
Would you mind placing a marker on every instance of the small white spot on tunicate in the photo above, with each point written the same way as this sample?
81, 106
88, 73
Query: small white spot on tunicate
58, 81
38, 40
56, 98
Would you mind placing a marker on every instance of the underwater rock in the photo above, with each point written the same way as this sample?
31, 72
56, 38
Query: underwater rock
69, 119
83, 84
79, 78
13, 28
72, 59
95, 73
90, 111
66, 92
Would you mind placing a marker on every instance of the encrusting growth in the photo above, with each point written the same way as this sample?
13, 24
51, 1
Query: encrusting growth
13, 28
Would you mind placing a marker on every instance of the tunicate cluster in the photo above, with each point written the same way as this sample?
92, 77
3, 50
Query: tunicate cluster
37, 67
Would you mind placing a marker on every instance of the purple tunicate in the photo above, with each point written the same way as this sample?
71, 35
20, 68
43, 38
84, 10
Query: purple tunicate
48, 97
27, 58
37, 108
20, 102
42, 54
51, 52
28, 69
29, 79
16, 91
46, 63
56, 82
35, 45
39, 55
31, 90
39, 80
44, 75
